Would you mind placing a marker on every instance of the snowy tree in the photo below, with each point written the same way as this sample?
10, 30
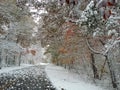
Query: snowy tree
98, 21
16, 27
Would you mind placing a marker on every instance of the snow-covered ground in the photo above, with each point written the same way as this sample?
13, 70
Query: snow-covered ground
8, 69
62, 78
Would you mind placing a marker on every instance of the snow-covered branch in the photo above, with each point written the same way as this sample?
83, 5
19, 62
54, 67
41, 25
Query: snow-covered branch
93, 50
111, 45
107, 48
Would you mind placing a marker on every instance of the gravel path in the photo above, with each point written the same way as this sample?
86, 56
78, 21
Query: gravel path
31, 78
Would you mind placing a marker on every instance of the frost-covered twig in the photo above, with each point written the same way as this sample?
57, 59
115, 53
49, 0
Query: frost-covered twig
115, 18
111, 45
107, 48
93, 50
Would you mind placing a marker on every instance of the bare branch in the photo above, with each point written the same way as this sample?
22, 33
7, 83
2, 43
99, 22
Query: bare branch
111, 46
94, 51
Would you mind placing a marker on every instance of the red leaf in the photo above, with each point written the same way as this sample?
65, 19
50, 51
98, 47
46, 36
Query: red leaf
33, 52
109, 4
107, 14
70, 33
67, 1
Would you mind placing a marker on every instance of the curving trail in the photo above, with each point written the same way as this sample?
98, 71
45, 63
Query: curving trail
30, 78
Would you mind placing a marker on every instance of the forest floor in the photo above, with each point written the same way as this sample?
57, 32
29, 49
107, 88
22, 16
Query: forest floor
42, 77
64, 79
28, 77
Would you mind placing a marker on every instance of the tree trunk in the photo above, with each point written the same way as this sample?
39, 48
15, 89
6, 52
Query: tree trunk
0, 61
19, 59
3, 54
94, 68
112, 73
6, 60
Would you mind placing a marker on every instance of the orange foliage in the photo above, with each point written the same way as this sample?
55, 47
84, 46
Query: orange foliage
67, 61
70, 29
62, 50
69, 33
69, 25
33, 52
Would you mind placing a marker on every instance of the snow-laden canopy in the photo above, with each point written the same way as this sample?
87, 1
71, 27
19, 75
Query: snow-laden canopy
11, 46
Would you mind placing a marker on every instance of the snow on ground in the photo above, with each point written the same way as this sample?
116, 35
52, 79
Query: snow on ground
62, 78
8, 69
44, 63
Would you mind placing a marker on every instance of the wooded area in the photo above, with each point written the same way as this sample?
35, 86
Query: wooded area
80, 35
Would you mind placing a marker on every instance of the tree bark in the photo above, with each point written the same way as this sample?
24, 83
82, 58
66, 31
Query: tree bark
19, 59
0, 62
112, 73
94, 68
3, 58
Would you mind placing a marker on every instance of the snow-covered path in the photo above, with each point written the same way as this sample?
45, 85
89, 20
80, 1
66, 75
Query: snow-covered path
8, 69
28, 78
33, 77
64, 80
